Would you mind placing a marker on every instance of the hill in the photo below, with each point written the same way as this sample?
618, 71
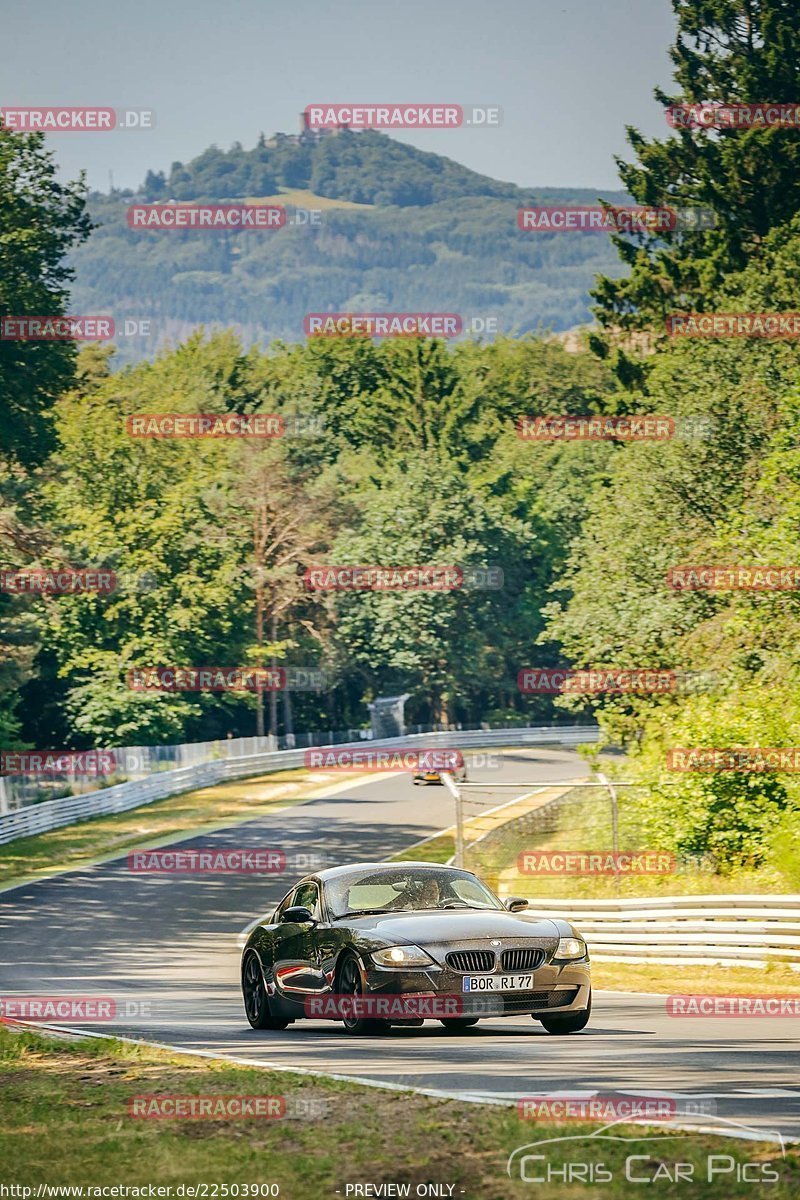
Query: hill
400, 229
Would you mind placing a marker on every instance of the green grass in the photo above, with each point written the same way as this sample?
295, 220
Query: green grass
303, 198
583, 822
690, 978
64, 1120
439, 849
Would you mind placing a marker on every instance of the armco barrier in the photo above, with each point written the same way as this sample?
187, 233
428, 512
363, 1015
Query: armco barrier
53, 814
734, 930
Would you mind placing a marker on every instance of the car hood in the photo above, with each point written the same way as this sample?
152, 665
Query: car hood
452, 925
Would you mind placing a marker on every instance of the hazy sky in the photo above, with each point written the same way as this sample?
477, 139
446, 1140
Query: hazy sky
569, 75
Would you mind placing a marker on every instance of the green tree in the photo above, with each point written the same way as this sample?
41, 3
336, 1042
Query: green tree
40, 221
725, 51
724, 491
207, 538
444, 647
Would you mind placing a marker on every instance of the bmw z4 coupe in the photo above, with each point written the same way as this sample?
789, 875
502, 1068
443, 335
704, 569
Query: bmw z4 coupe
380, 944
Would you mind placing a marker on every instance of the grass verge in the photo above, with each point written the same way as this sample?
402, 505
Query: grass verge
439, 849
64, 1120
688, 978
582, 821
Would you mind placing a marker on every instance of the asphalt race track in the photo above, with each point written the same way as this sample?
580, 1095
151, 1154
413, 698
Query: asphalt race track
165, 948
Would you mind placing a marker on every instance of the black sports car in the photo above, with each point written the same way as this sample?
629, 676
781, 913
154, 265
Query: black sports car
379, 944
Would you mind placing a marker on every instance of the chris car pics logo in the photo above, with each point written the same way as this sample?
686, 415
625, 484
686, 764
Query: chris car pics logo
648, 1158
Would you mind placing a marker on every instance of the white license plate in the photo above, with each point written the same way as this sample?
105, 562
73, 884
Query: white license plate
497, 983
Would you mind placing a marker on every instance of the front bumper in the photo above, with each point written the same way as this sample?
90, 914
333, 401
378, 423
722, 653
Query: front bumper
562, 986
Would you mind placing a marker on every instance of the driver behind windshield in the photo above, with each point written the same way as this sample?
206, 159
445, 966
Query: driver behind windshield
430, 895
408, 890
416, 895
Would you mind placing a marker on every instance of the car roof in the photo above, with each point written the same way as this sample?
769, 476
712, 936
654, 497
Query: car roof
360, 868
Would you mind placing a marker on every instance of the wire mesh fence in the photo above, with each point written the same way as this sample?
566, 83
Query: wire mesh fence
579, 838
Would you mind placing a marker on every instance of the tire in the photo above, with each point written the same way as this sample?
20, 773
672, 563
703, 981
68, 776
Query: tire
254, 994
350, 983
458, 1024
572, 1023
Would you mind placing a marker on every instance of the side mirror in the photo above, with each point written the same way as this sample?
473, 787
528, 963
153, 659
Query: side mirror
513, 903
298, 914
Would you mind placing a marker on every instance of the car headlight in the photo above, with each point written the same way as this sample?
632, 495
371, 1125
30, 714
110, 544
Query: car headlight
570, 947
401, 956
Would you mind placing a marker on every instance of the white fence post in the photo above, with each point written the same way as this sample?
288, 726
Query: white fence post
452, 787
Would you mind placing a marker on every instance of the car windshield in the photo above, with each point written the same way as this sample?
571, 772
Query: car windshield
406, 889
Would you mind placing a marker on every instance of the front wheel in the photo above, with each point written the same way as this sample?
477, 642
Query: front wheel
256, 1000
456, 1024
350, 984
572, 1023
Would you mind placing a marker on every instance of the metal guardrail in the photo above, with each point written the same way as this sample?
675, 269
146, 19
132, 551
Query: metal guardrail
53, 814
124, 764
737, 930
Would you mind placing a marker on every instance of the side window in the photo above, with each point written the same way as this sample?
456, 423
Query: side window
470, 893
285, 903
308, 895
